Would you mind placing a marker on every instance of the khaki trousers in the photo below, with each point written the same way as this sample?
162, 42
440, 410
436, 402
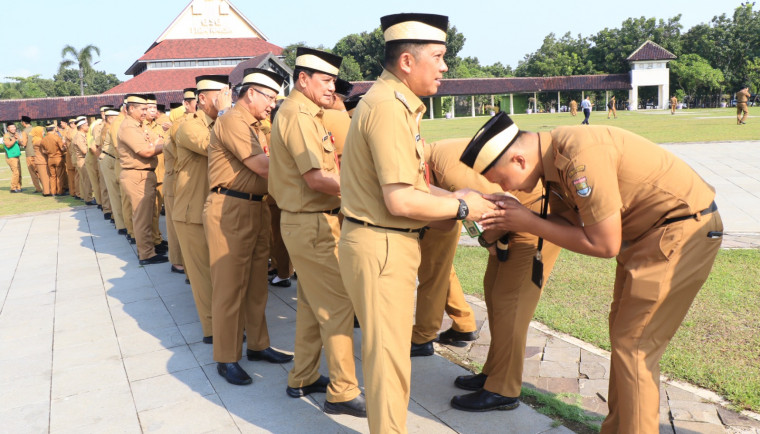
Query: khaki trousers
91, 168
238, 234
439, 289
43, 172
33, 173
325, 315
140, 187
70, 177
278, 251
15, 166
175, 251
85, 187
656, 280
511, 298
103, 189
192, 240
126, 205
741, 112
379, 269
108, 169
56, 169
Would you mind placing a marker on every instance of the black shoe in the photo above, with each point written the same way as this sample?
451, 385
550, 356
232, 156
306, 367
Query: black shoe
107, 216
208, 340
484, 400
100, 207
356, 322
426, 349
131, 240
471, 382
164, 243
14, 191
46, 195
270, 355
163, 211
77, 197
59, 194
272, 272
112, 220
158, 259
122, 231
319, 386
452, 335
161, 249
233, 373
177, 270
355, 407
92, 202
187, 280
281, 284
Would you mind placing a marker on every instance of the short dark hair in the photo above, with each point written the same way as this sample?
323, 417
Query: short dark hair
243, 90
394, 50
298, 70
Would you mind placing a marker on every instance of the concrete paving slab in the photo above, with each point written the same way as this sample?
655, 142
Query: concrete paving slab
192, 332
155, 363
195, 414
32, 418
139, 343
156, 392
23, 391
522, 420
103, 410
20, 367
103, 374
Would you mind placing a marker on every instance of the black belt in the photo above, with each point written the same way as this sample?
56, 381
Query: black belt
237, 194
709, 210
145, 170
108, 154
335, 211
359, 222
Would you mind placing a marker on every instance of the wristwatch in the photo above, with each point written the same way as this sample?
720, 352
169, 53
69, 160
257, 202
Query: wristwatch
482, 241
463, 210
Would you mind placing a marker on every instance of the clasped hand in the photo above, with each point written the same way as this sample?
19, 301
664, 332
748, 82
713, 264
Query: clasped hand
510, 215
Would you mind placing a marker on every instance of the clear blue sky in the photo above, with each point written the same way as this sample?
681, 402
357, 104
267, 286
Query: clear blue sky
34, 32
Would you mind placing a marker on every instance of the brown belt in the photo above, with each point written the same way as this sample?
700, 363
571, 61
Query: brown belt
709, 210
363, 223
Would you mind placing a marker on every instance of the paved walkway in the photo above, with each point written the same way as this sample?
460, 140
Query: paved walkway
92, 342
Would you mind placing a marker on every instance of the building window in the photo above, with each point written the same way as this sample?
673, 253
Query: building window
208, 62
230, 61
184, 63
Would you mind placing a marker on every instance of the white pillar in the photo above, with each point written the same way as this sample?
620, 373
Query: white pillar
472, 105
559, 101
633, 98
453, 107
492, 106
583, 95
431, 108
535, 102
606, 98
511, 105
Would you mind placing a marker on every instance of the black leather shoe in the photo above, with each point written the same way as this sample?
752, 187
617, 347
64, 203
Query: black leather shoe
77, 197
107, 216
483, 400
92, 202
282, 283
319, 386
46, 195
164, 243
208, 340
420, 350
272, 272
177, 270
452, 335
158, 259
161, 249
122, 231
355, 407
131, 240
270, 355
471, 382
187, 281
100, 207
233, 373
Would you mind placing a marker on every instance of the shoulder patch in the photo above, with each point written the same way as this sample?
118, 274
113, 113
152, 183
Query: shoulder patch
400, 96
576, 170
581, 186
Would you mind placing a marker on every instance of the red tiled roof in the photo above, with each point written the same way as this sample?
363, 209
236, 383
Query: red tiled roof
651, 51
236, 76
496, 86
70, 106
156, 80
210, 48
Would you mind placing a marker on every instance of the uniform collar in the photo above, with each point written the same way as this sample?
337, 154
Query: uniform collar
411, 101
304, 102
247, 116
547, 157
206, 119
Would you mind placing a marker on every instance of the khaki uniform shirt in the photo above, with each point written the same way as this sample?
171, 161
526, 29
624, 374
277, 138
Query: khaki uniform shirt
383, 147
191, 168
132, 138
234, 138
599, 170
96, 130
742, 96
52, 145
337, 123
37, 134
115, 125
109, 144
170, 153
300, 143
80, 144
29, 147
673, 101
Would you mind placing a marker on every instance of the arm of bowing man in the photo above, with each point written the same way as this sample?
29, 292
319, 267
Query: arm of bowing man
404, 200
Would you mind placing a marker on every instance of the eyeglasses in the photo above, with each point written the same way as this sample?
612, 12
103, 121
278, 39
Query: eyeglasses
270, 98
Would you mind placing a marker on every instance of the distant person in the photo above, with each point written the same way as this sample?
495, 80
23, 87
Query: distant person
26, 139
11, 144
742, 96
673, 104
611, 109
586, 106
573, 107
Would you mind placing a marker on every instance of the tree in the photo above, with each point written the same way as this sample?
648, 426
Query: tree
566, 56
95, 82
695, 75
82, 59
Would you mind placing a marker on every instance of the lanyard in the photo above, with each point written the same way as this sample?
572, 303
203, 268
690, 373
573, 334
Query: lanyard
538, 265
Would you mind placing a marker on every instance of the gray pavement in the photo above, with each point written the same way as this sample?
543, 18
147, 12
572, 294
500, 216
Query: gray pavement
92, 342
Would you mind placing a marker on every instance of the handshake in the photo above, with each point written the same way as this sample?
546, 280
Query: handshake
475, 229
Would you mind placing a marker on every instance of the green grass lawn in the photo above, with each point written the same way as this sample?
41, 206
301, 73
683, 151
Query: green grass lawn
717, 346
659, 126
27, 200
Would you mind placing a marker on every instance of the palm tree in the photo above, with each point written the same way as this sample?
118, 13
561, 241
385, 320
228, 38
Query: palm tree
82, 58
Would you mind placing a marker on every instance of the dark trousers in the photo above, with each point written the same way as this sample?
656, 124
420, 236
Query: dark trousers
587, 113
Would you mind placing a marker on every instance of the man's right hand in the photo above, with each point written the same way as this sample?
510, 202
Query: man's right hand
478, 206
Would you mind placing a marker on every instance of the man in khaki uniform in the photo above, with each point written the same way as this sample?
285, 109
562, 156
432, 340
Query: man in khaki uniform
41, 159
170, 156
673, 104
611, 109
79, 143
138, 159
305, 182
94, 143
386, 199
573, 107
237, 226
12, 141
157, 130
109, 159
191, 188
26, 124
71, 176
126, 205
742, 96
54, 150
621, 195
336, 117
